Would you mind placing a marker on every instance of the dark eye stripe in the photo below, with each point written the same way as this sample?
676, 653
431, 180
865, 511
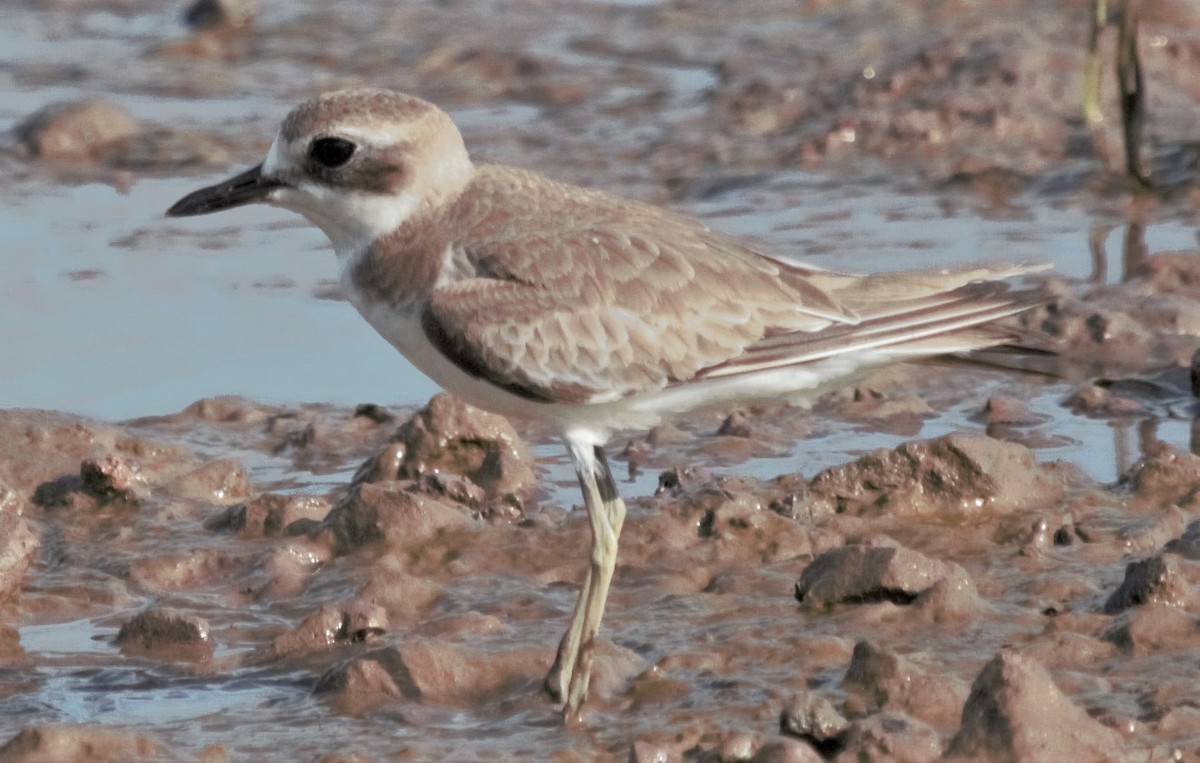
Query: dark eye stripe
331, 152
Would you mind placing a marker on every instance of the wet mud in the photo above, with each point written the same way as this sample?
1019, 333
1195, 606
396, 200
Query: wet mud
996, 559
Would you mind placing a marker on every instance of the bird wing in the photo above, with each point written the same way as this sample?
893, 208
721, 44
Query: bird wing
567, 297
564, 295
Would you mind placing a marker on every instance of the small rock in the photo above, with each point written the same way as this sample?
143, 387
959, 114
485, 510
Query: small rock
810, 716
454, 487
1157, 579
268, 515
887, 681
449, 437
654, 751
958, 473
1015, 712
384, 466
1152, 628
1187, 544
681, 479
165, 633
288, 567
175, 572
373, 412
75, 130
878, 569
786, 750
1164, 476
427, 671
113, 477
388, 512
80, 744
1002, 409
18, 545
738, 747
890, 737
736, 425
221, 482
357, 621
362, 620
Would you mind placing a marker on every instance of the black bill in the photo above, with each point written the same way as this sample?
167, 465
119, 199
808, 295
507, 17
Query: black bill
246, 188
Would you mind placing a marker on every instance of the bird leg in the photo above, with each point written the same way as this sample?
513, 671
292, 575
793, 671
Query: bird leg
572, 668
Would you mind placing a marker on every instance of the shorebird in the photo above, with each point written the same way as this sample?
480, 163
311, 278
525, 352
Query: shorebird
529, 297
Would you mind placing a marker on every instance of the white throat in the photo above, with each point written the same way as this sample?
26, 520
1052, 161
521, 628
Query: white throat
354, 219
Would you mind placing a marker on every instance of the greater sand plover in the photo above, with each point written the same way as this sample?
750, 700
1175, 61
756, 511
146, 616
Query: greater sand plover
596, 313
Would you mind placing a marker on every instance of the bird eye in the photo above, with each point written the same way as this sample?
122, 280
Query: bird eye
331, 152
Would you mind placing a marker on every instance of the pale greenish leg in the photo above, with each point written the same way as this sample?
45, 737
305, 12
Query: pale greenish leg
606, 513
568, 648
1092, 114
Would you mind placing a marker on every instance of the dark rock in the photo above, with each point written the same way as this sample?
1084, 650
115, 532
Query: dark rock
114, 476
166, 634
210, 14
1157, 579
878, 569
373, 412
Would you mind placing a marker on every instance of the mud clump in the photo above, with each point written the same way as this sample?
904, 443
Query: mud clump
166, 633
957, 473
1157, 579
449, 437
428, 671
389, 512
75, 130
269, 515
883, 680
1015, 712
876, 570
358, 621
76, 744
18, 545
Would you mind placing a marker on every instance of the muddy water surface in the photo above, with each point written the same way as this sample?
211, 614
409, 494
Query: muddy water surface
931, 546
